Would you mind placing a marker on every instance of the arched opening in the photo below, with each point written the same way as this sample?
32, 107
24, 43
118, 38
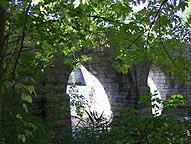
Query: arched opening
167, 85
153, 81
157, 110
86, 93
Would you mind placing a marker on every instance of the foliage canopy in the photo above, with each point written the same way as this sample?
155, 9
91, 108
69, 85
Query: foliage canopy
62, 27
33, 32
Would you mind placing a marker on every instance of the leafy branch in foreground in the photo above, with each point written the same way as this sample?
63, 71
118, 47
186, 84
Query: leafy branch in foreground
150, 129
30, 39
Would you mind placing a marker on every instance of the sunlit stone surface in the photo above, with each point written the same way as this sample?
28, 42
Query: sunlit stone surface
95, 98
157, 110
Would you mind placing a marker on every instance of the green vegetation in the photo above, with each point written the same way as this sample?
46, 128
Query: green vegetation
32, 34
129, 129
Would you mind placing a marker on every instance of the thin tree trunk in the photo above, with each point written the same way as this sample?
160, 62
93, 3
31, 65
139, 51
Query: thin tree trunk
14, 70
2, 29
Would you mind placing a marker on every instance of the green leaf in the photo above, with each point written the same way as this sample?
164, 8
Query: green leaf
22, 137
149, 139
30, 80
173, 97
32, 125
146, 99
28, 133
20, 85
31, 89
27, 97
155, 91
179, 96
183, 5
95, 1
19, 116
25, 107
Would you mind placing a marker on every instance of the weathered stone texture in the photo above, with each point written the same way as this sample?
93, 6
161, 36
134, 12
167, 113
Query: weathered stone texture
122, 89
167, 84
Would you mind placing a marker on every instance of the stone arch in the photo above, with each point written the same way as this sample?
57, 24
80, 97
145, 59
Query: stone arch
122, 89
168, 85
101, 68
91, 91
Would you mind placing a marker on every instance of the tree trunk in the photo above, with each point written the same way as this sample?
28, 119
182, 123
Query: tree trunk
2, 29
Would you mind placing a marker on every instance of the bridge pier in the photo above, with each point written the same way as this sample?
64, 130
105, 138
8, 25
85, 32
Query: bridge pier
121, 89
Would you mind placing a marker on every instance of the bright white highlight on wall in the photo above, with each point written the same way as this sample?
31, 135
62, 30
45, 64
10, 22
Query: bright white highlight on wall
151, 85
94, 93
101, 102
153, 88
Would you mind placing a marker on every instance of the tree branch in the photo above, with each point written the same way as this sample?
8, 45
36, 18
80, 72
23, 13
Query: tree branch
13, 76
150, 25
168, 55
2, 29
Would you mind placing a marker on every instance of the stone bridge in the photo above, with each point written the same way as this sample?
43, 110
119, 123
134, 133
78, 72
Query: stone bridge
121, 89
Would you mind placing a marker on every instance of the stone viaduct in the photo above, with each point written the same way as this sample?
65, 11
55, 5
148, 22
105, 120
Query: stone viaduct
121, 89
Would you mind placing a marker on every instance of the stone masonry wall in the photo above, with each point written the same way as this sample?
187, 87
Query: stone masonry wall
121, 89
167, 84
57, 103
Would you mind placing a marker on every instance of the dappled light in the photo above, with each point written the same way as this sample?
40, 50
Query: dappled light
157, 109
119, 49
92, 95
